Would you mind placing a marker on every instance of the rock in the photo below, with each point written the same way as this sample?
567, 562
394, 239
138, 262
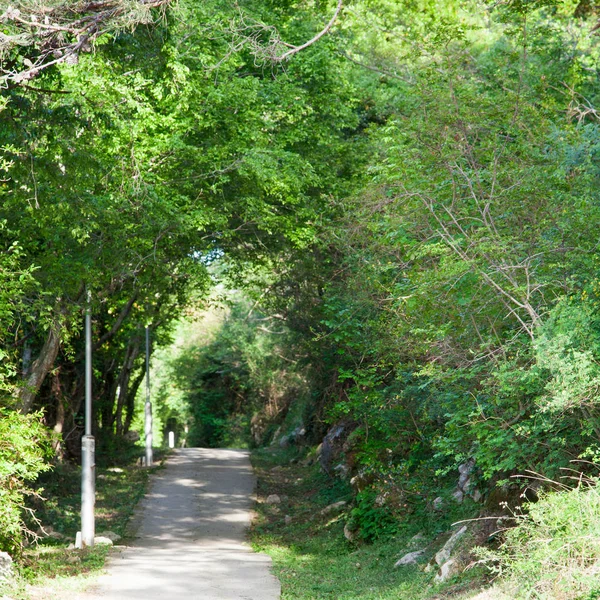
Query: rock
410, 559
342, 470
458, 496
438, 504
447, 570
100, 540
298, 434
465, 471
443, 556
333, 444
333, 507
416, 539
465, 485
294, 437
6, 566
362, 480
288, 520
111, 535
349, 534
273, 499
56, 535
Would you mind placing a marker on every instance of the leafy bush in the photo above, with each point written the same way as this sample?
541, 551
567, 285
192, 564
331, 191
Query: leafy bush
23, 449
372, 520
554, 551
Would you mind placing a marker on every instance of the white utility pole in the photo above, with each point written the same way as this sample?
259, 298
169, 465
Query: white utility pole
148, 407
88, 444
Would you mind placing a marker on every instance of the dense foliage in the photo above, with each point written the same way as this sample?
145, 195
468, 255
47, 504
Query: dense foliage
399, 223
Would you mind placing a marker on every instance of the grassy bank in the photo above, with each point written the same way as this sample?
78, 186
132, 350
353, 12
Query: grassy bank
313, 559
49, 569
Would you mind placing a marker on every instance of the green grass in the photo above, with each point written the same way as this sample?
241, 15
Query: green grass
49, 566
311, 556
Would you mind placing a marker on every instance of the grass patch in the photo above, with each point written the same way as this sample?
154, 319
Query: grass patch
312, 558
49, 567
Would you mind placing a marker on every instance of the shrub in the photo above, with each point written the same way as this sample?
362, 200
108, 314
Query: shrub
23, 449
554, 550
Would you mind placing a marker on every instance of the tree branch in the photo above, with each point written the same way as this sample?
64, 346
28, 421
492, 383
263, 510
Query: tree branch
317, 37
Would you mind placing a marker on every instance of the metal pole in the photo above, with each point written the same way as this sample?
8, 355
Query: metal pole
88, 461
148, 407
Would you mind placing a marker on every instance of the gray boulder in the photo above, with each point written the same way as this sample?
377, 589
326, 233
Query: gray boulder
443, 556
412, 558
101, 540
447, 570
111, 535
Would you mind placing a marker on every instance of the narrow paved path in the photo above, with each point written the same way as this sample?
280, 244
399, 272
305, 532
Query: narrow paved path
190, 541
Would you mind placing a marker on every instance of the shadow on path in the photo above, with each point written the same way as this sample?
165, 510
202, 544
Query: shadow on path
190, 539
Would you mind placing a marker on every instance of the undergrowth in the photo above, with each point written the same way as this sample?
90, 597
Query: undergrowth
50, 567
313, 559
553, 553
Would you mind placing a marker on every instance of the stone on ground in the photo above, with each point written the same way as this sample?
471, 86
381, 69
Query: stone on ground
412, 558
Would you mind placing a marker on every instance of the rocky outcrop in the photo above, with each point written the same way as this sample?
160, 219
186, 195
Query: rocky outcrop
445, 553
466, 485
293, 438
333, 447
446, 561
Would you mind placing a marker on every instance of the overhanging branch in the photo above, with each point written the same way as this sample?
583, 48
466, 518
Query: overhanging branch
49, 33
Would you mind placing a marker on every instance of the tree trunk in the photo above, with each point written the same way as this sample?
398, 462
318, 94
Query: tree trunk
131, 399
132, 352
57, 438
39, 369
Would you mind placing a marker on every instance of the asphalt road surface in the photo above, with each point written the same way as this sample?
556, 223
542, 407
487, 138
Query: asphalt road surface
190, 539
